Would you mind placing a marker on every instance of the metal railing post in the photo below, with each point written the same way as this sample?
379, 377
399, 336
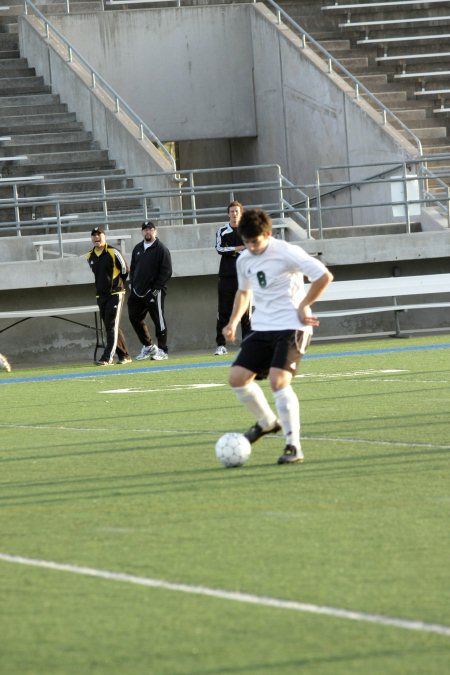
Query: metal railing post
16, 209
280, 192
406, 201
193, 200
308, 217
145, 208
104, 202
58, 226
318, 205
421, 177
448, 207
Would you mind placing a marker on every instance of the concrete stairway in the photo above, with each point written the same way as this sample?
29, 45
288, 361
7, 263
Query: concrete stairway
382, 76
36, 125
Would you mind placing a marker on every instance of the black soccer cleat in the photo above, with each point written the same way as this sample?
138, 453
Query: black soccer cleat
256, 432
291, 456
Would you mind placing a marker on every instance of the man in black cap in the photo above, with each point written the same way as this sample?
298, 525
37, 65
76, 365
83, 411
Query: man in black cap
110, 270
150, 270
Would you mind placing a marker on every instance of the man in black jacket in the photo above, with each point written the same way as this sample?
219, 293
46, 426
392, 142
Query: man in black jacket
110, 271
229, 245
150, 270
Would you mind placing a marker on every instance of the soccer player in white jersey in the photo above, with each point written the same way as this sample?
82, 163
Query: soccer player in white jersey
272, 272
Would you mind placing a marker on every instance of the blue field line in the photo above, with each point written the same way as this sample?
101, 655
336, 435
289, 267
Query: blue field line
208, 364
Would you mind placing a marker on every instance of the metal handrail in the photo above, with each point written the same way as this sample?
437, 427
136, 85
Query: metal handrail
370, 5
276, 194
332, 61
100, 195
279, 12
420, 163
97, 81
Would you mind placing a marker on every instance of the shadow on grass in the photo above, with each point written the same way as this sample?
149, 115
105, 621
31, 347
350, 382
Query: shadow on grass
367, 661
190, 479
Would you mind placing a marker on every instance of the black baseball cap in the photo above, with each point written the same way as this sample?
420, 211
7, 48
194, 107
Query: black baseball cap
97, 230
148, 224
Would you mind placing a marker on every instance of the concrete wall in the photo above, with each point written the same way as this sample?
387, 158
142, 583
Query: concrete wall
191, 307
114, 132
186, 71
192, 299
232, 76
190, 313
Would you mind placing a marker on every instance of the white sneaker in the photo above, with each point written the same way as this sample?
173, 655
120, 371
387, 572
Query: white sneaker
146, 352
160, 355
4, 363
221, 351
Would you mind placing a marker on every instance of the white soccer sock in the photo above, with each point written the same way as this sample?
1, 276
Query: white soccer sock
252, 396
288, 407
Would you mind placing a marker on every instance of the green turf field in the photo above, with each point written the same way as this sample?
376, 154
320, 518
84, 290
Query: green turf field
114, 470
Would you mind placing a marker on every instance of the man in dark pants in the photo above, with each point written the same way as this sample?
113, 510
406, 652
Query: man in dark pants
228, 246
110, 271
150, 270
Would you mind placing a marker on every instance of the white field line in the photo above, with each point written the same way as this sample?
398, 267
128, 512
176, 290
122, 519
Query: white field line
171, 387
352, 373
199, 432
306, 376
234, 596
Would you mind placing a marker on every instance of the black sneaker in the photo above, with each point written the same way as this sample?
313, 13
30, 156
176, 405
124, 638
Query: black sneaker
104, 362
291, 456
256, 432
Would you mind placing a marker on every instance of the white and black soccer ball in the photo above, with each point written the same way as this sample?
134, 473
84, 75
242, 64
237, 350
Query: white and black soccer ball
233, 449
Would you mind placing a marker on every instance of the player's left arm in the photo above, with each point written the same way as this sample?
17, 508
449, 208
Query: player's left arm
315, 290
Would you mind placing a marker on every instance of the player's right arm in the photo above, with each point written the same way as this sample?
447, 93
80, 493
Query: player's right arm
315, 290
240, 305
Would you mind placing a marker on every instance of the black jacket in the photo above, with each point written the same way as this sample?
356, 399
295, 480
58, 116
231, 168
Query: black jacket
150, 269
227, 238
110, 270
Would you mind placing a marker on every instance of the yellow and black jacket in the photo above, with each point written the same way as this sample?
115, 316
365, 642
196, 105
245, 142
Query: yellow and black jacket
110, 270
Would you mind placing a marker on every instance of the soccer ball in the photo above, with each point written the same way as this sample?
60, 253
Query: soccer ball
233, 449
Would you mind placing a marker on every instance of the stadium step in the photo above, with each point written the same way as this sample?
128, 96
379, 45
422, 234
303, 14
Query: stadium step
9, 86
50, 140
347, 45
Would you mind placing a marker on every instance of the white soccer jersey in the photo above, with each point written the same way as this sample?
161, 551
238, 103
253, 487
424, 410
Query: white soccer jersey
276, 279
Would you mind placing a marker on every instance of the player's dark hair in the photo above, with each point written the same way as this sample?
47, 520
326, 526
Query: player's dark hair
253, 223
234, 203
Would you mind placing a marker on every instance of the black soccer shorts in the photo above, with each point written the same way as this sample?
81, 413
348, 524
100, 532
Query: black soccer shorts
262, 350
